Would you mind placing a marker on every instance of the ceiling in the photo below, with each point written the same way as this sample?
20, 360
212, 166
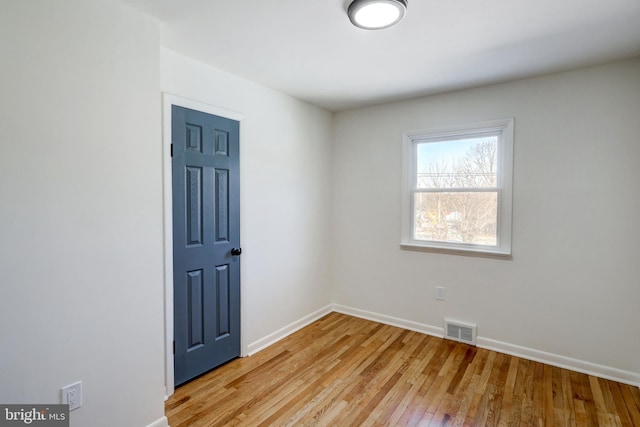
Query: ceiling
310, 50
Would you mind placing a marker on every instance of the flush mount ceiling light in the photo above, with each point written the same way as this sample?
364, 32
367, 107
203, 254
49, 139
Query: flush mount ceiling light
376, 14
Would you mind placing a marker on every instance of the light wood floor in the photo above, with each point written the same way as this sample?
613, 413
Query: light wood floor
346, 371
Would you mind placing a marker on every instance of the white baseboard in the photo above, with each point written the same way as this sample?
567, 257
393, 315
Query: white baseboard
389, 320
276, 336
577, 365
626, 377
160, 422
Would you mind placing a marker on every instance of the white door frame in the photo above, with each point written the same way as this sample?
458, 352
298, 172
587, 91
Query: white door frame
167, 101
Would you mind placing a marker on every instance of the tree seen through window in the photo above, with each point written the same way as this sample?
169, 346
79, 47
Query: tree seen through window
456, 198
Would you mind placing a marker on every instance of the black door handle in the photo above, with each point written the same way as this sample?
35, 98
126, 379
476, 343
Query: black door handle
236, 251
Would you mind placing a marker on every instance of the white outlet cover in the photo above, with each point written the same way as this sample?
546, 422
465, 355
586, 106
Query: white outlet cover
72, 395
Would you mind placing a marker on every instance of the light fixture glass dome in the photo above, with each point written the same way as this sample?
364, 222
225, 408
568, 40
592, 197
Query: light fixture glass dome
376, 14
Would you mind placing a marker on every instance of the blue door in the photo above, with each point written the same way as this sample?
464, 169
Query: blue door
206, 241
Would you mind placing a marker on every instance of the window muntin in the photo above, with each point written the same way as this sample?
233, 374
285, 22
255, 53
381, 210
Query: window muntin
458, 188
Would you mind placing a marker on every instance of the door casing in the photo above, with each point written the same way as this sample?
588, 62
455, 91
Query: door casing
167, 101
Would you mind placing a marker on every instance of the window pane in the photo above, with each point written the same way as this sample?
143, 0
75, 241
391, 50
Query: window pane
456, 217
460, 163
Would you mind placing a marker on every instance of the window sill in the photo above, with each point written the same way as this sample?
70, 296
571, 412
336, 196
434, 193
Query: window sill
483, 253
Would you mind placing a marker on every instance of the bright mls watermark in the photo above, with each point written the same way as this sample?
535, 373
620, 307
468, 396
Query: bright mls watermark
34, 415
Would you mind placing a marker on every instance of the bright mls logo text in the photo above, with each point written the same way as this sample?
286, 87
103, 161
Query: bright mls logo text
38, 415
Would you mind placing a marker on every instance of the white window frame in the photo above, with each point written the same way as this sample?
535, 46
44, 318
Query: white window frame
504, 128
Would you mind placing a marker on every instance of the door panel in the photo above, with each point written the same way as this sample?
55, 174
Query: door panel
206, 226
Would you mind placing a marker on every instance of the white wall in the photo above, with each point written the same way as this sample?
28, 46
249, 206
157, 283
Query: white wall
81, 209
573, 287
285, 153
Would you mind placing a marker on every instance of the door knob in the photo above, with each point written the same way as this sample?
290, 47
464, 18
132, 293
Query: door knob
236, 251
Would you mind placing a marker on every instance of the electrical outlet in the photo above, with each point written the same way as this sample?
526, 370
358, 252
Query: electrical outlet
440, 293
72, 395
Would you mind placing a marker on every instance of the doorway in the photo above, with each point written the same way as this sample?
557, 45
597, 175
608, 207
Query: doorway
202, 238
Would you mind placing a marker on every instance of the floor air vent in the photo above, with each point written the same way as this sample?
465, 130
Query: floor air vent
462, 332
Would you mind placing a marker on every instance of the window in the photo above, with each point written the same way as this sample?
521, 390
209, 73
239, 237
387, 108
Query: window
457, 189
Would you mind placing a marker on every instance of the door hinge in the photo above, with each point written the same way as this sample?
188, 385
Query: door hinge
174, 347
171, 150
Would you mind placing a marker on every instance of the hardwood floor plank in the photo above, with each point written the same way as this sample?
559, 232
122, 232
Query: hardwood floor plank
526, 413
569, 418
581, 413
607, 395
461, 404
411, 414
598, 398
635, 392
589, 404
489, 392
632, 406
408, 370
373, 390
434, 397
483, 372
548, 396
557, 392
347, 371
518, 394
507, 401
495, 401
621, 407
